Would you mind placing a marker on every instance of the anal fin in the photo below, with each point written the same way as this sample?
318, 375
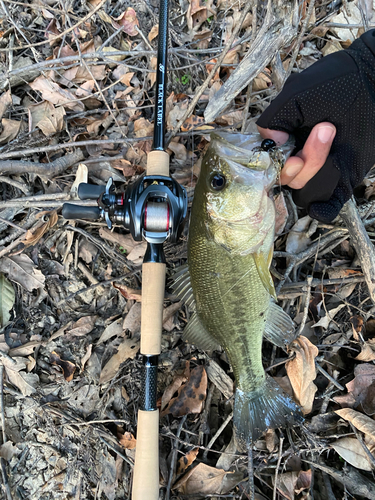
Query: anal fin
195, 333
279, 327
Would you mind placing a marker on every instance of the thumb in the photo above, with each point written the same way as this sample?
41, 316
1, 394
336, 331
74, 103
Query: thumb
276, 135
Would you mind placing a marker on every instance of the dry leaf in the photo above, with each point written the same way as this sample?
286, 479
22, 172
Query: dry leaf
128, 20
86, 357
301, 372
297, 239
5, 101
364, 378
46, 117
7, 298
361, 422
10, 130
325, 321
185, 461
52, 92
143, 128
179, 151
83, 326
112, 330
67, 367
174, 386
293, 482
31, 238
21, 268
127, 350
26, 382
25, 349
113, 56
128, 293
127, 440
206, 480
350, 449
82, 175
7, 451
132, 321
190, 395
153, 33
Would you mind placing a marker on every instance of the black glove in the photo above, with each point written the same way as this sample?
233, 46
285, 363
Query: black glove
340, 88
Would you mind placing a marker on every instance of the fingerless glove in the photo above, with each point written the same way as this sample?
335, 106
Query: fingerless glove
340, 88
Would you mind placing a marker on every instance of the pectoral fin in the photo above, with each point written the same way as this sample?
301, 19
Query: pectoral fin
264, 273
195, 333
279, 328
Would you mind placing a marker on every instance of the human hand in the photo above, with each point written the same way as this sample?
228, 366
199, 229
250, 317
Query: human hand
334, 97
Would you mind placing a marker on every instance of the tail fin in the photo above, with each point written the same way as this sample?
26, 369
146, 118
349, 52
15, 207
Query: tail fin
266, 408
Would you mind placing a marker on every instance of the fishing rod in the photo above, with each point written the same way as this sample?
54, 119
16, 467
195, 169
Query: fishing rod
152, 208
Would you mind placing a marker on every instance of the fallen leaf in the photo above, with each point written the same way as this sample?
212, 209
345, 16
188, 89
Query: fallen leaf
46, 117
113, 56
5, 101
81, 176
10, 130
132, 321
127, 350
206, 480
301, 372
297, 239
292, 482
83, 326
326, 320
53, 93
143, 128
261, 82
67, 367
179, 151
128, 20
7, 298
185, 461
364, 378
112, 330
153, 33
195, 123
86, 357
174, 386
7, 451
32, 237
361, 422
25, 382
350, 449
25, 349
190, 395
128, 293
127, 440
21, 269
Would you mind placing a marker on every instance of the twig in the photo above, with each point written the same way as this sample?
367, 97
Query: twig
328, 376
174, 458
217, 434
358, 435
13, 225
307, 303
250, 86
362, 244
217, 65
277, 468
250, 470
51, 169
205, 413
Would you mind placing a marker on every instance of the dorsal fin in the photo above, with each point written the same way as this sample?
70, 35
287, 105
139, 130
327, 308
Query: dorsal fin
195, 333
279, 327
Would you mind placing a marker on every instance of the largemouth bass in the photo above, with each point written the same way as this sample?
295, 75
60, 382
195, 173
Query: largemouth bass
228, 284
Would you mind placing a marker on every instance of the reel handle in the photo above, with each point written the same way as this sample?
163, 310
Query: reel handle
71, 211
90, 191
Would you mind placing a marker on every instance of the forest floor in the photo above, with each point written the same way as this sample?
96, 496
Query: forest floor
77, 94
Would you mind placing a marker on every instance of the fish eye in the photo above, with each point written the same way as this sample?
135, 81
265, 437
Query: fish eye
218, 182
268, 144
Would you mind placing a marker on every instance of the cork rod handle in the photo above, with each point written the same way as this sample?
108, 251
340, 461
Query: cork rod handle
146, 468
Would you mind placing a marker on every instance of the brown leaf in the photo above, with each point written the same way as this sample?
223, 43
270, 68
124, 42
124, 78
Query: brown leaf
128, 20
25, 349
86, 357
185, 461
301, 372
21, 268
10, 130
5, 101
132, 321
83, 326
196, 123
361, 422
143, 128
153, 33
174, 386
32, 237
364, 378
112, 330
261, 82
206, 480
350, 449
127, 292
67, 367
293, 482
46, 117
127, 440
127, 350
190, 395
52, 92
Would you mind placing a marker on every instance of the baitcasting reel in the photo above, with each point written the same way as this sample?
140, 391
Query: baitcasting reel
152, 208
